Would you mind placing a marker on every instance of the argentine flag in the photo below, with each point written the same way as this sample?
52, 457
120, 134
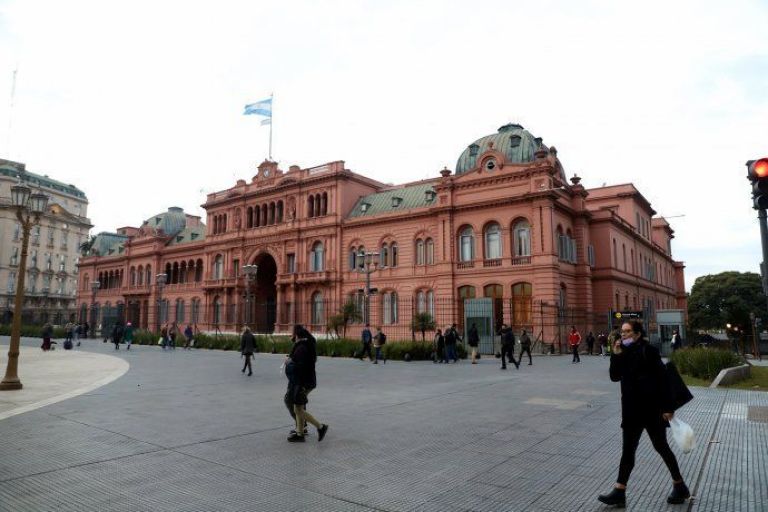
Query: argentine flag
261, 108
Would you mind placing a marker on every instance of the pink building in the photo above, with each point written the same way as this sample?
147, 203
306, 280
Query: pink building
506, 225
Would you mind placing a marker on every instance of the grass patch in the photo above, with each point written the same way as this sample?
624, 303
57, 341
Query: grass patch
758, 380
695, 381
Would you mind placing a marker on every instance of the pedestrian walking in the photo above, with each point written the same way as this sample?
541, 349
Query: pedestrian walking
590, 343
46, 333
117, 334
69, 329
508, 347
128, 335
86, 329
78, 333
173, 332
189, 337
473, 340
677, 341
378, 344
300, 370
451, 337
574, 340
247, 346
367, 340
288, 398
438, 347
525, 346
646, 404
164, 336
602, 340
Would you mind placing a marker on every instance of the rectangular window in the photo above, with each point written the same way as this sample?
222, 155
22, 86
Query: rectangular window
591, 255
291, 264
236, 263
11, 282
17, 232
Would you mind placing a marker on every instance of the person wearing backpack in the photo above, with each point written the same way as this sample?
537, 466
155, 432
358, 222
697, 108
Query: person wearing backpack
378, 343
647, 403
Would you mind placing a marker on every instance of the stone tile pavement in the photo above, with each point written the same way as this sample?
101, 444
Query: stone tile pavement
186, 431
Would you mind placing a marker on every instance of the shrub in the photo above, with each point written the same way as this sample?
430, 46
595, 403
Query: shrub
418, 351
704, 363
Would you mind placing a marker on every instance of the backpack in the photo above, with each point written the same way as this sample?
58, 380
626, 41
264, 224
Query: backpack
382, 338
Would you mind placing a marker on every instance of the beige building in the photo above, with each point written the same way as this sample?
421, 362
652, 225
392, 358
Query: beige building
53, 253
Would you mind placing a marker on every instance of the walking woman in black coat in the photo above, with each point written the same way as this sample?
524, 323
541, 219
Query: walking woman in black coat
300, 370
646, 404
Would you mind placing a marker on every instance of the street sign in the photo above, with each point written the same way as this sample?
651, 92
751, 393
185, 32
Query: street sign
628, 315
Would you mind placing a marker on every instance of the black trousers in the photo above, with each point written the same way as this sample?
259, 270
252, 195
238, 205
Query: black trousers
366, 350
248, 363
576, 358
523, 351
507, 352
631, 438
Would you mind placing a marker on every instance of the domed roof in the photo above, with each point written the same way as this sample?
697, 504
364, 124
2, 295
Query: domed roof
171, 222
517, 144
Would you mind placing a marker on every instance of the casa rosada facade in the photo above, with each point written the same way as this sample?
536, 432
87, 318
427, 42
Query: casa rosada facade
506, 224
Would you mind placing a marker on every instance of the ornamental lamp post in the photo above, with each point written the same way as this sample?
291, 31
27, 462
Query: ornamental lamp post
94, 288
29, 207
366, 260
160, 280
250, 278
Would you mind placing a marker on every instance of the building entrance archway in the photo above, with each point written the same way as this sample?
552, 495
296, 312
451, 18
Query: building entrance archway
264, 294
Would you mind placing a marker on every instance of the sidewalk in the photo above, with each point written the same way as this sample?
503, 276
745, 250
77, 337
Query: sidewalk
50, 377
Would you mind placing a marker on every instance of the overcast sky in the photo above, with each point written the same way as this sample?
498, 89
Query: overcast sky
140, 104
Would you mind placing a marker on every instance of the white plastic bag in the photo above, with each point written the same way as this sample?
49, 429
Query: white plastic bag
682, 433
282, 368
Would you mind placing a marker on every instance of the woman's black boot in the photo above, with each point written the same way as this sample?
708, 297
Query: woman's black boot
616, 497
679, 494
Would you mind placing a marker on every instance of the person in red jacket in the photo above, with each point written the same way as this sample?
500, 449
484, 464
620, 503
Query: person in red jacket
574, 340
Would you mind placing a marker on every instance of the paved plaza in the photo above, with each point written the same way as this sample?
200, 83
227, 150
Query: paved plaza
186, 431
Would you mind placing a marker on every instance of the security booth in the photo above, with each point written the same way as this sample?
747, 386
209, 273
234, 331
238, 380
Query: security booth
480, 313
668, 321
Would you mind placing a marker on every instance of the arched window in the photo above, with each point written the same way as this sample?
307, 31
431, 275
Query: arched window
217, 310
256, 216
264, 215
249, 217
224, 228
139, 275
195, 311
148, 275
198, 270
421, 302
522, 238
280, 211
353, 259
389, 306
393, 254
183, 272
496, 293
360, 260
179, 310
384, 256
175, 273
465, 292
218, 267
419, 252
316, 257
522, 304
467, 244
311, 206
271, 219
317, 309
492, 241
431, 303
324, 204
318, 206
430, 251
133, 276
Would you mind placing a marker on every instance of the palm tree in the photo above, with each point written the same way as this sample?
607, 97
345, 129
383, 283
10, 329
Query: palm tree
423, 322
349, 313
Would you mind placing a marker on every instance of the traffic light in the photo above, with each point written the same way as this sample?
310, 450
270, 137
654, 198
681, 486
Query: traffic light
757, 172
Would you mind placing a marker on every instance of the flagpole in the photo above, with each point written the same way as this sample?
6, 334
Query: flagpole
272, 107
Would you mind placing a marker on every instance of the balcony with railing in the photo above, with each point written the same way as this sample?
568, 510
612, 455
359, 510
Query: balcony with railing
465, 264
494, 262
521, 260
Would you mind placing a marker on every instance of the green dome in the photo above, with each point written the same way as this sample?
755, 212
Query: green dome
517, 144
170, 222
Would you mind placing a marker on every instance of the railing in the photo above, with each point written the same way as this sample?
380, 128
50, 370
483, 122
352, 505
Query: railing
496, 262
521, 260
465, 264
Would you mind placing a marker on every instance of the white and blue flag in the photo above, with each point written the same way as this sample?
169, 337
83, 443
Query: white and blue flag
260, 108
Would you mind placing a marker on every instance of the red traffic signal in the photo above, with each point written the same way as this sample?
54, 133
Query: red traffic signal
757, 169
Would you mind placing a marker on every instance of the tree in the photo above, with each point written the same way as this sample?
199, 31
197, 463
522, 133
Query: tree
423, 322
347, 314
725, 298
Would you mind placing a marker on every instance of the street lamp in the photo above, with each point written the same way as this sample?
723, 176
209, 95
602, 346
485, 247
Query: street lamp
250, 278
160, 279
368, 260
29, 207
94, 288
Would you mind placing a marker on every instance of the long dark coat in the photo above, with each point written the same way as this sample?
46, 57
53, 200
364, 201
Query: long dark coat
247, 343
645, 389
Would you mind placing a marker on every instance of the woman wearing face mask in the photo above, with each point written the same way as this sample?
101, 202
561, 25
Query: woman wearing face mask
646, 404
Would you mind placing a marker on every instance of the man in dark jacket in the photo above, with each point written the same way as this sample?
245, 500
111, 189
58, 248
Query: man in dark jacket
473, 340
367, 340
525, 346
508, 347
590, 343
117, 334
646, 404
300, 370
247, 346
451, 337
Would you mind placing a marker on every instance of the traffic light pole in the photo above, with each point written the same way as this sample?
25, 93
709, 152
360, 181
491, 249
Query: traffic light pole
761, 215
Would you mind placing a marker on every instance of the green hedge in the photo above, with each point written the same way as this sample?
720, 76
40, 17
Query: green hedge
31, 331
704, 363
